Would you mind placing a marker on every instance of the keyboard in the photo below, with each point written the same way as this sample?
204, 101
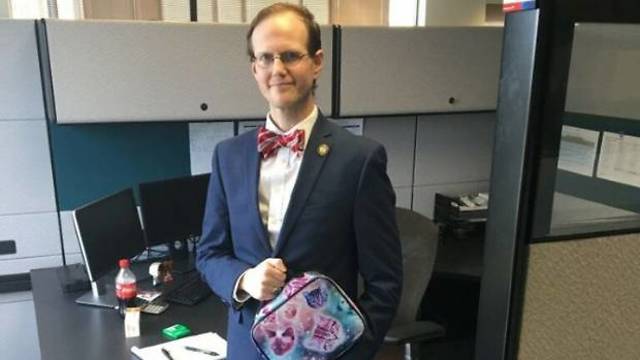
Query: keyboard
189, 290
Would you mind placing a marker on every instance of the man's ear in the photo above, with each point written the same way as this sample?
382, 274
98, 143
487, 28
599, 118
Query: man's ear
318, 62
253, 67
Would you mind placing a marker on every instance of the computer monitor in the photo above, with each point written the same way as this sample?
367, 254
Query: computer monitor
108, 229
172, 209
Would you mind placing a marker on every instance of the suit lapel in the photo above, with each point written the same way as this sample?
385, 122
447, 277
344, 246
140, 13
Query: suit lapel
253, 176
309, 173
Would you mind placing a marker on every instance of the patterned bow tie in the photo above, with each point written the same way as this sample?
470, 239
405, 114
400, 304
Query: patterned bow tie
269, 142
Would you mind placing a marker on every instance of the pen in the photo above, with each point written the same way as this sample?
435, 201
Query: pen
208, 352
167, 354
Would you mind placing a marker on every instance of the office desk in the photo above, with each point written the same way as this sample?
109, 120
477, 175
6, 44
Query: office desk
69, 331
461, 256
452, 296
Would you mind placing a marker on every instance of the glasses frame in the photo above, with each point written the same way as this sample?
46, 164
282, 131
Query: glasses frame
287, 58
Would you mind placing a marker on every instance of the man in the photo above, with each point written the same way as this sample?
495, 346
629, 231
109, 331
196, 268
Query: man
300, 194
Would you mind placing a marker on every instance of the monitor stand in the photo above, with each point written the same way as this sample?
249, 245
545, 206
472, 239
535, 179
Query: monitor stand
183, 256
101, 295
183, 266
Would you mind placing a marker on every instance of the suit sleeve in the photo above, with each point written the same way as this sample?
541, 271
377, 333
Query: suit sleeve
379, 253
215, 258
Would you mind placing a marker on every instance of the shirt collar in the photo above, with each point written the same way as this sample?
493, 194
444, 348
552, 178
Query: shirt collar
306, 124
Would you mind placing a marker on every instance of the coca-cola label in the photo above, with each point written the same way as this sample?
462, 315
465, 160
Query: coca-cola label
126, 291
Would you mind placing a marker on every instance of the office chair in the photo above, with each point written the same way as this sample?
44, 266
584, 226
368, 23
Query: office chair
419, 238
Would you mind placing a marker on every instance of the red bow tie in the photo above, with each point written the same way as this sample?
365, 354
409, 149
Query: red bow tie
269, 142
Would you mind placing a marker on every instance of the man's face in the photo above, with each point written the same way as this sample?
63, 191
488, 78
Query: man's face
285, 86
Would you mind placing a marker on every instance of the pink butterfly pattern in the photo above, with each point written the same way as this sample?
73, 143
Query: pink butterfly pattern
312, 318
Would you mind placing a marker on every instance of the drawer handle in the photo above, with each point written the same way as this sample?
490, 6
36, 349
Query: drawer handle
7, 247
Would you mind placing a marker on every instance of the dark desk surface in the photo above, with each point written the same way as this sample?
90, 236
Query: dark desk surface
69, 331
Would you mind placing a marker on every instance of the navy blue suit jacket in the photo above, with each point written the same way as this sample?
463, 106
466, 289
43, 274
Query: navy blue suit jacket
340, 222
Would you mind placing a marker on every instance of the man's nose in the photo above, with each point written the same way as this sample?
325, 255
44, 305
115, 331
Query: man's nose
278, 66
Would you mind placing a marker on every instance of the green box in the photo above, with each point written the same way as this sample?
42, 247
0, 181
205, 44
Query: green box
176, 331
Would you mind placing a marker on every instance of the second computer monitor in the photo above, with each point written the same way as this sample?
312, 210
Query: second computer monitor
108, 229
172, 209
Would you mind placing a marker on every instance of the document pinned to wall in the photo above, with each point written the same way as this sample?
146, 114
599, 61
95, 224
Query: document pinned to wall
354, 126
578, 148
620, 159
244, 126
203, 138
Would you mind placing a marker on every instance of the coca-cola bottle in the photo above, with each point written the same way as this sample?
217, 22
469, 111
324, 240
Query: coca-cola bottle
126, 290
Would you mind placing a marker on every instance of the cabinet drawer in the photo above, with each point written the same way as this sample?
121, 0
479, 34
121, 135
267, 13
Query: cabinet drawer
21, 266
36, 235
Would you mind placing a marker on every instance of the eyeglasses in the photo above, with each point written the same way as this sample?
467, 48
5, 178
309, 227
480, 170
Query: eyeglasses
288, 58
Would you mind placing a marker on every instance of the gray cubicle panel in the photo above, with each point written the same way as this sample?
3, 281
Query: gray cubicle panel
37, 240
20, 87
397, 134
418, 70
117, 71
453, 156
28, 214
605, 54
26, 184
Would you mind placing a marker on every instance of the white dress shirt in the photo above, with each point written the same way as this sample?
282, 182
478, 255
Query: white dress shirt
278, 175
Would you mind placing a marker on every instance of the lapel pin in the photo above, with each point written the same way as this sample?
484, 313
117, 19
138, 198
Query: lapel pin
323, 149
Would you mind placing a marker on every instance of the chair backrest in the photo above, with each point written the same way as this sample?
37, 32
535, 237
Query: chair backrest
419, 238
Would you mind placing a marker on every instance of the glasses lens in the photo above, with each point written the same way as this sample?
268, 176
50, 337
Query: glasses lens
290, 57
265, 60
287, 57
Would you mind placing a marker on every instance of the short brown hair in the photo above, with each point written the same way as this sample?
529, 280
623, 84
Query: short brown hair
314, 42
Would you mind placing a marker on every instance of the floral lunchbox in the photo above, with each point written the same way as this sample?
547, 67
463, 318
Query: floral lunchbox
312, 318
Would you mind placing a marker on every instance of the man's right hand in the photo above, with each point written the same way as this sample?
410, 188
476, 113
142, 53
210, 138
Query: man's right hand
264, 280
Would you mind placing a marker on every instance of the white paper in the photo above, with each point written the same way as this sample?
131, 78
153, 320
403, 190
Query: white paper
132, 322
244, 126
203, 138
354, 126
578, 150
620, 159
208, 341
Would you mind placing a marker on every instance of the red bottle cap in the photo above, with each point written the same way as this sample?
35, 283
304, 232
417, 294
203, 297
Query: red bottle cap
124, 263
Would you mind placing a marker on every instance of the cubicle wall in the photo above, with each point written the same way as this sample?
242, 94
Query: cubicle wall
572, 294
612, 49
580, 296
398, 135
453, 156
28, 216
580, 300
418, 70
429, 154
602, 112
106, 71
124, 100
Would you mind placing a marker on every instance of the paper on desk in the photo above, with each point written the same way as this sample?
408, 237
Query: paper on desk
208, 341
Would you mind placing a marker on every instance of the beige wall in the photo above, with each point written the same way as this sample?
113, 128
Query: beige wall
4, 9
455, 13
582, 300
122, 9
360, 12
